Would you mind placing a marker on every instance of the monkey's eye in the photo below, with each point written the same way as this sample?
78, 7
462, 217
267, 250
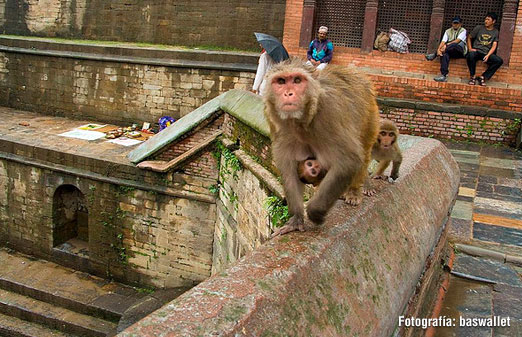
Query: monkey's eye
383, 133
281, 80
309, 164
297, 80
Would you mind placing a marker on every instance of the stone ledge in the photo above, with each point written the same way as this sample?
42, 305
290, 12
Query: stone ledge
354, 275
180, 63
130, 49
447, 107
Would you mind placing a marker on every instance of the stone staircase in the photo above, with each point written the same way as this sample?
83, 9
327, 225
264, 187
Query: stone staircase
40, 298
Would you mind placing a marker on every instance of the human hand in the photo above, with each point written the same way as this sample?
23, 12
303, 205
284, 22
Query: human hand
485, 59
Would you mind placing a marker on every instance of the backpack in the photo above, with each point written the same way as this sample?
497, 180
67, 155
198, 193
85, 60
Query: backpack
381, 41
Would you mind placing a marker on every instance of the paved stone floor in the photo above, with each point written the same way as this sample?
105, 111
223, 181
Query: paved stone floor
487, 214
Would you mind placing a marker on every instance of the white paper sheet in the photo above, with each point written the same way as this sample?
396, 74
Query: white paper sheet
83, 134
125, 141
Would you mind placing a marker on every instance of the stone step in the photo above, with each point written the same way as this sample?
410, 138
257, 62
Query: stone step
48, 282
14, 327
55, 317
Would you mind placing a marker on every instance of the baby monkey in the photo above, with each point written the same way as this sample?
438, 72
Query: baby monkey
387, 150
310, 171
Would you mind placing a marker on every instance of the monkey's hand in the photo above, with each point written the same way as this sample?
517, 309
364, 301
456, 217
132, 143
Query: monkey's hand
381, 176
295, 223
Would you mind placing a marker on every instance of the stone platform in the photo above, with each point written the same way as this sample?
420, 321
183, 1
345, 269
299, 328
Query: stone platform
39, 298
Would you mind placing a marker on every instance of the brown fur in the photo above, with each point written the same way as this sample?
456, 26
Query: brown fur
385, 155
336, 121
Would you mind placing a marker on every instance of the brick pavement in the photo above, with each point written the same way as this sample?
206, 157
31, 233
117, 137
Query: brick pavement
488, 215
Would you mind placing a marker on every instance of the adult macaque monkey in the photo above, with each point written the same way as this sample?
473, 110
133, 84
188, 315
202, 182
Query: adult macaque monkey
331, 115
386, 150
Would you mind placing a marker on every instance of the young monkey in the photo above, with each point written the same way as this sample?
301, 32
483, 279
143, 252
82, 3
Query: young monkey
387, 150
384, 151
310, 171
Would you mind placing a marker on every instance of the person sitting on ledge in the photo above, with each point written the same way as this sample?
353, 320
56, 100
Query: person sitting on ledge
452, 45
482, 44
320, 50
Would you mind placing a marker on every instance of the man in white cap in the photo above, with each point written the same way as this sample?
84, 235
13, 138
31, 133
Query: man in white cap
320, 51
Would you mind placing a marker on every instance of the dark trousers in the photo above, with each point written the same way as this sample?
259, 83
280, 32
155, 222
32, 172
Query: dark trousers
494, 62
452, 51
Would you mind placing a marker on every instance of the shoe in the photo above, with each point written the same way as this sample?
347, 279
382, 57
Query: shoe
472, 81
441, 78
481, 81
430, 57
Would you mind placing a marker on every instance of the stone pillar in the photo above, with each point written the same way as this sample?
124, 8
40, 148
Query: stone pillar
307, 23
370, 25
437, 18
507, 29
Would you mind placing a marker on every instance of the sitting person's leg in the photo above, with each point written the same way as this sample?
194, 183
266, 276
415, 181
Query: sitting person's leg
494, 62
322, 66
471, 59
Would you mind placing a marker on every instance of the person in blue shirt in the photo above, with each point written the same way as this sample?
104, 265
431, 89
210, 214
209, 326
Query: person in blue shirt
320, 51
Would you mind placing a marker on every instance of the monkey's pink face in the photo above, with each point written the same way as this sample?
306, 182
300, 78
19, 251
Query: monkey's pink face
312, 167
290, 91
386, 139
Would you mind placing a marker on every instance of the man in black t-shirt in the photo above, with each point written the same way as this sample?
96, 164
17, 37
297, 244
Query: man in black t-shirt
482, 44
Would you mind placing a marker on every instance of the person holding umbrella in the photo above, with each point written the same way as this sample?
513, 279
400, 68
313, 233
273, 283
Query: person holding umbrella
320, 51
273, 52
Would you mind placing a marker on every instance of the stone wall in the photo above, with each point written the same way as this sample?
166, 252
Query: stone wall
243, 223
183, 22
352, 276
114, 92
136, 236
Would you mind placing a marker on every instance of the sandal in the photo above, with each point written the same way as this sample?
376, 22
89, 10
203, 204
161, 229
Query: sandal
481, 81
472, 81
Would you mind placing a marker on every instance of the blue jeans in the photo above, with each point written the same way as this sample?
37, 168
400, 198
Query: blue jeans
452, 51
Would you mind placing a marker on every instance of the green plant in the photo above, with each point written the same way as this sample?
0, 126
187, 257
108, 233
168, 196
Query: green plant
277, 211
214, 189
227, 161
514, 126
469, 130
92, 188
124, 190
112, 224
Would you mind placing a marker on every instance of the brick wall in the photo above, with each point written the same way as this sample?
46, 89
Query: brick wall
167, 241
203, 164
452, 93
255, 144
415, 63
113, 92
200, 22
445, 125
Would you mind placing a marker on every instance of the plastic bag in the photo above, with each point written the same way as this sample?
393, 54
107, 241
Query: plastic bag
165, 122
399, 41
